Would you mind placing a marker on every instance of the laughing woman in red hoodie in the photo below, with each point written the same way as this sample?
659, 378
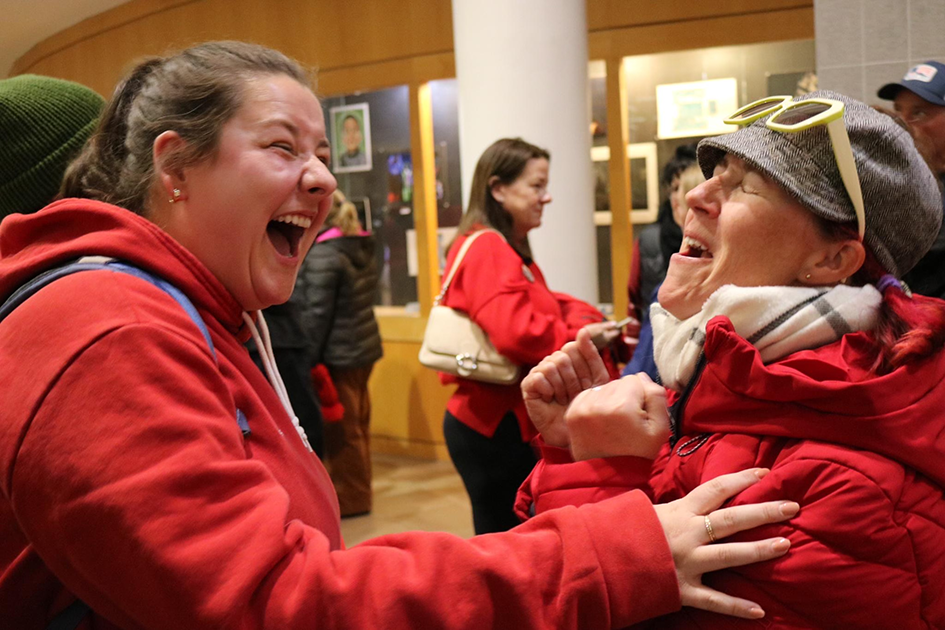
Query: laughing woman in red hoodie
786, 341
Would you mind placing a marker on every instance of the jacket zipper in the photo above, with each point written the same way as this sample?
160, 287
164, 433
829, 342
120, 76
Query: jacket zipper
676, 411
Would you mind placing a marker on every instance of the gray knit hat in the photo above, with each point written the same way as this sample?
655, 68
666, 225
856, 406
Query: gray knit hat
44, 122
901, 197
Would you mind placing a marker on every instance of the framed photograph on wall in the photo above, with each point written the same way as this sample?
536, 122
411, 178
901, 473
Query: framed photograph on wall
696, 108
351, 128
644, 183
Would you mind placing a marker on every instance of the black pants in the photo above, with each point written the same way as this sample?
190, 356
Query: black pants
492, 469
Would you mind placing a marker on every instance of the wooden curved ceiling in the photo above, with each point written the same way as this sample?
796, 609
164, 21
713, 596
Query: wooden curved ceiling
28, 22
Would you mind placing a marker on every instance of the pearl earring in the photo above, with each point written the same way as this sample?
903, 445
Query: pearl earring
807, 276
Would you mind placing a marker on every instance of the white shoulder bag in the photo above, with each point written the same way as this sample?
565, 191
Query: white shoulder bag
454, 344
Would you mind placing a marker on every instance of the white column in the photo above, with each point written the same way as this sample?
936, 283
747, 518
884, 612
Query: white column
522, 71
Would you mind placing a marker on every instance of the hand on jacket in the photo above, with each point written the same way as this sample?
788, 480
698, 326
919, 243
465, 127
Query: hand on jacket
687, 530
623, 417
552, 384
572, 403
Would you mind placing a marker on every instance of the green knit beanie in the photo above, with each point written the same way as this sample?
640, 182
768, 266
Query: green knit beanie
44, 122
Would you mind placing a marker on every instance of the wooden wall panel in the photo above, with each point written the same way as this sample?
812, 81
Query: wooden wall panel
707, 32
614, 14
407, 403
328, 34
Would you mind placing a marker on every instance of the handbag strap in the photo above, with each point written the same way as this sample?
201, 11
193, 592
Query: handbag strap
459, 258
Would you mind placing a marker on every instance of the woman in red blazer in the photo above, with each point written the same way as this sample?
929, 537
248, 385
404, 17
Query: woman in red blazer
501, 288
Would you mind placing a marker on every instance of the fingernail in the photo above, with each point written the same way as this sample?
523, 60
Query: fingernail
781, 545
761, 472
789, 508
756, 613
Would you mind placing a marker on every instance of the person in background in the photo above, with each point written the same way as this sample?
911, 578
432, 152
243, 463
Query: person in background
919, 99
337, 286
501, 288
131, 496
786, 341
657, 242
45, 122
642, 359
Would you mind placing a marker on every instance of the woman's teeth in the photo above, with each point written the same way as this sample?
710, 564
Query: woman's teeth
295, 219
695, 249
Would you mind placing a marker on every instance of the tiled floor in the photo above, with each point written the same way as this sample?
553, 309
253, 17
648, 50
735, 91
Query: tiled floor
412, 494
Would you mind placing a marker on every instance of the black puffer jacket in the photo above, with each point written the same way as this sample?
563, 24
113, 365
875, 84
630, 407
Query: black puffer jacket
336, 288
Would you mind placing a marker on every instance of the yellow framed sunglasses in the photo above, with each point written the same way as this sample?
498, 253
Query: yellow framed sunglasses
790, 116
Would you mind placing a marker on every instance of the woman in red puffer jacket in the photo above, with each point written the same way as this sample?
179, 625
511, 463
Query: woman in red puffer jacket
786, 341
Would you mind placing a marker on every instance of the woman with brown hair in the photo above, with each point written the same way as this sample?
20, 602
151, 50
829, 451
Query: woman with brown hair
501, 288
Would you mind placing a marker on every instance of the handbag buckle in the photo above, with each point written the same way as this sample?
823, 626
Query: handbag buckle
466, 361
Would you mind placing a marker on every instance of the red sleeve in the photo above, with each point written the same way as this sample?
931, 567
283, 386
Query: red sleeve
577, 313
145, 506
557, 480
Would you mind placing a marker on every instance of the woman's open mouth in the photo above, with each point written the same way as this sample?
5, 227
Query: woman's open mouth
285, 233
691, 248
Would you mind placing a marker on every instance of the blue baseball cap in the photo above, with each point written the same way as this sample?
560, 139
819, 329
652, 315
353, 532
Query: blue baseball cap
926, 80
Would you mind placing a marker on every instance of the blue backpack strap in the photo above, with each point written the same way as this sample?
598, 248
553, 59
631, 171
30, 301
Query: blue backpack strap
171, 290
188, 307
72, 616
92, 263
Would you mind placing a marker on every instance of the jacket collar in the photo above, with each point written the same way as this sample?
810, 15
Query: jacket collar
826, 394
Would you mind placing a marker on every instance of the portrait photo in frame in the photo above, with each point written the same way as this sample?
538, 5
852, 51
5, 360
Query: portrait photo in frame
351, 129
644, 187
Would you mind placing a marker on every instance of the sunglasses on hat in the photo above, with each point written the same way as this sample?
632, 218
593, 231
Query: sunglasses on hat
790, 116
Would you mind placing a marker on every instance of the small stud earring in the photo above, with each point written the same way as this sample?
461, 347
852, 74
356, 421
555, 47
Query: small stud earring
807, 276
176, 196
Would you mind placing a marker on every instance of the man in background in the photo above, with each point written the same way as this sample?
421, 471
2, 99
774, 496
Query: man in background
919, 99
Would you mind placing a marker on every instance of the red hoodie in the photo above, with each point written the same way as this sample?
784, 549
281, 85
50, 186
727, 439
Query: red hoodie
863, 455
125, 480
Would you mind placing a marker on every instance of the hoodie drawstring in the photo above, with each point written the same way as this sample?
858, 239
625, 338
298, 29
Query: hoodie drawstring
264, 345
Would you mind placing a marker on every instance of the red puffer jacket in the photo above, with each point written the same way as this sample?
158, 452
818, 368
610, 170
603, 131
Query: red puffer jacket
863, 455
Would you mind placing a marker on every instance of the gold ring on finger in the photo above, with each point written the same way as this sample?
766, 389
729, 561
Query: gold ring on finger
709, 530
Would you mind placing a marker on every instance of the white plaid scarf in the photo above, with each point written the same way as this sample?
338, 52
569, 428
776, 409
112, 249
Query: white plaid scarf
777, 320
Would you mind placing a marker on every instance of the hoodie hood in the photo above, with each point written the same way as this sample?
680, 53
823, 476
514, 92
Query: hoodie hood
72, 228
827, 394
